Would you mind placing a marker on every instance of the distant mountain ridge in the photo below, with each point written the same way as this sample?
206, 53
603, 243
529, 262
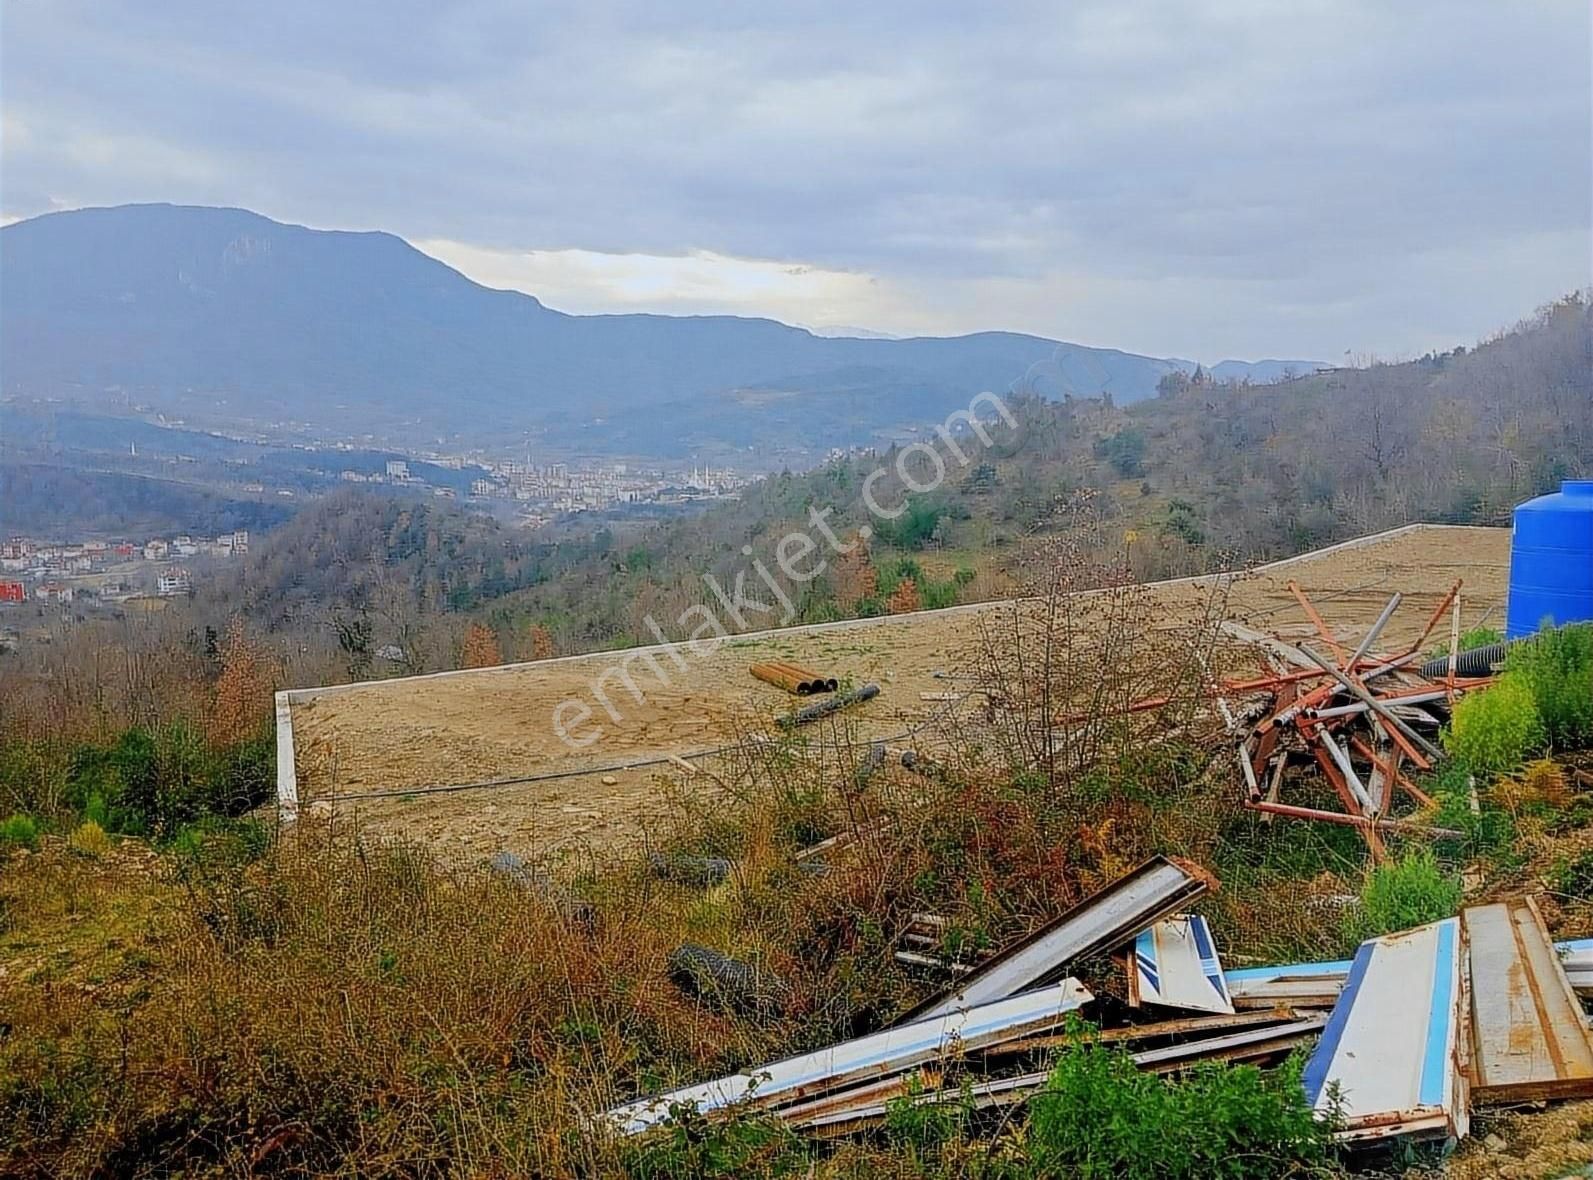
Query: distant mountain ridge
192, 305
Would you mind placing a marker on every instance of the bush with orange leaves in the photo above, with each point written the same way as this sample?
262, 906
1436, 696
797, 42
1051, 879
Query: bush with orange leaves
241, 699
541, 642
480, 648
904, 599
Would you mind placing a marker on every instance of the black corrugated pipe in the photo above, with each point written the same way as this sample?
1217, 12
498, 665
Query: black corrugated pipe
1479, 661
723, 982
824, 708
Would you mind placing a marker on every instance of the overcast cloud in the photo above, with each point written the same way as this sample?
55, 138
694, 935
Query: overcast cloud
1205, 179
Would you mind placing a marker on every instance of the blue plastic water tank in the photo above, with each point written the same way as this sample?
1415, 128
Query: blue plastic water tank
1551, 559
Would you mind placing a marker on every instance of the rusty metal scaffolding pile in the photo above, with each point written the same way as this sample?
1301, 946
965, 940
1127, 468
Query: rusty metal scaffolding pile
1361, 716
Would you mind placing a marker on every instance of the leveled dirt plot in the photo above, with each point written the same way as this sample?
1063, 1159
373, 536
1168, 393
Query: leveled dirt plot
409, 735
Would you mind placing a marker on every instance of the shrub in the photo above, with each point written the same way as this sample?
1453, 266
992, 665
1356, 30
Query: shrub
1573, 878
1489, 831
1557, 668
1124, 450
1469, 641
20, 830
915, 524
89, 839
243, 776
1540, 783
1101, 1118
692, 1146
32, 775
921, 1128
1496, 729
1183, 520
151, 782
937, 595
1409, 892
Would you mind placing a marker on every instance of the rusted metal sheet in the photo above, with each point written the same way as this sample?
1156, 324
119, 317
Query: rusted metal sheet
1301, 985
1101, 922
1529, 1038
1393, 1050
1174, 963
1189, 1026
864, 1059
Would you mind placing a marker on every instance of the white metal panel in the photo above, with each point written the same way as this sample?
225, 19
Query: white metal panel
1175, 964
877, 1055
1392, 1043
1101, 922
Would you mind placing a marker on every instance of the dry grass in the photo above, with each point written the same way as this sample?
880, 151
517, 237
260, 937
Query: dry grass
334, 1004
333, 1008
345, 1006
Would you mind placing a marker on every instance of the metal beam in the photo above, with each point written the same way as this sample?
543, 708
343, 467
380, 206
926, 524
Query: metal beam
1101, 922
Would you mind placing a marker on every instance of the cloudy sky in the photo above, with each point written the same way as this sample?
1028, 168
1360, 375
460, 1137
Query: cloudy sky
1205, 178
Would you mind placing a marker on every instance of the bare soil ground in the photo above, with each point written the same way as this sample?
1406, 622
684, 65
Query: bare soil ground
403, 737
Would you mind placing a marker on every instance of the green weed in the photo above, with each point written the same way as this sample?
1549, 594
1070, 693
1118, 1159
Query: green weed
21, 831
1101, 1118
1408, 892
692, 1146
1495, 730
1557, 667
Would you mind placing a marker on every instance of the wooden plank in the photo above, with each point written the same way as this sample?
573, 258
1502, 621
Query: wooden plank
1529, 1038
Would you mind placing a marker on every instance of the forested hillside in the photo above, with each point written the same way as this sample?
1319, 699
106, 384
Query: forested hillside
1204, 475
44, 499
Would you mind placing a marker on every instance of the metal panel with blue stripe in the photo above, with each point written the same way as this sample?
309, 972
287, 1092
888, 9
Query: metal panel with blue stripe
1175, 964
1390, 1054
1304, 984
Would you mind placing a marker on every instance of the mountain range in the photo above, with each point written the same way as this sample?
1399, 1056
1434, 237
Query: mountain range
229, 315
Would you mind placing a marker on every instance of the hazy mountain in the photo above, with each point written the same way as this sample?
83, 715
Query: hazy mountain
1262, 372
842, 330
201, 307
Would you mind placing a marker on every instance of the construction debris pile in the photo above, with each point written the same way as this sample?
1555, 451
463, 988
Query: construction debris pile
1420, 1026
1358, 716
